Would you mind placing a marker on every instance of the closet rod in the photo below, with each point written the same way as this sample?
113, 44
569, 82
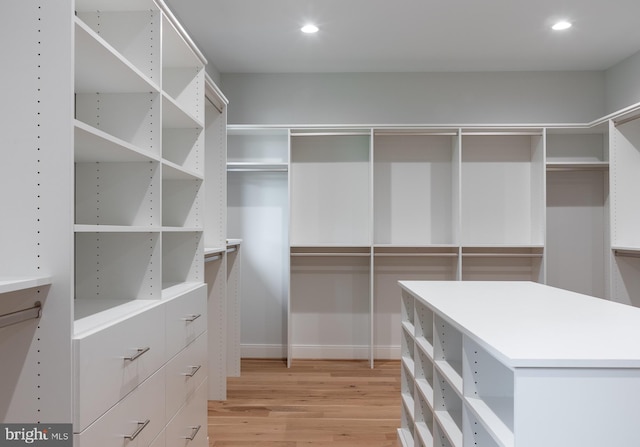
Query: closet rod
501, 133
410, 133
502, 255
425, 255
232, 248
332, 254
329, 134
21, 315
626, 254
257, 169
626, 120
211, 258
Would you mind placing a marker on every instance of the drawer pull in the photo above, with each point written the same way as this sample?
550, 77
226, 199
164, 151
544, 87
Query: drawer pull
141, 426
194, 370
138, 353
194, 432
192, 318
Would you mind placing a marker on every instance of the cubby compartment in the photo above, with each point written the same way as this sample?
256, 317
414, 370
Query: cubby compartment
415, 187
503, 264
114, 269
182, 255
407, 311
625, 276
182, 204
330, 189
424, 328
447, 405
330, 289
184, 147
408, 426
474, 433
120, 194
447, 352
572, 148
134, 33
130, 117
440, 438
257, 147
407, 348
424, 376
407, 386
489, 393
423, 422
502, 197
182, 72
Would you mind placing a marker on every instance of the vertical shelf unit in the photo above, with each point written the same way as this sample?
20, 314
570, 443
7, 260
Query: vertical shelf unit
103, 250
577, 235
215, 234
502, 204
330, 240
36, 189
258, 213
625, 214
487, 380
415, 218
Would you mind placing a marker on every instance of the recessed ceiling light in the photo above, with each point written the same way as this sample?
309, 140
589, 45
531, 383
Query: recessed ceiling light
562, 25
309, 28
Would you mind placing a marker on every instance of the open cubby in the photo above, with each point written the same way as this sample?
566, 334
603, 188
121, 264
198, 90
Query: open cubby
502, 264
502, 195
117, 194
625, 276
447, 406
118, 266
407, 349
424, 376
415, 188
131, 117
184, 147
330, 189
447, 352
268, 146
424, 328
182, 205
133, 34
182, 257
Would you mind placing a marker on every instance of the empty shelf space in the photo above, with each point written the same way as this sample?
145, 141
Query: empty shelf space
172, 171
95, 145
449, 371
492, 412
245, 166
451, 427
93, 314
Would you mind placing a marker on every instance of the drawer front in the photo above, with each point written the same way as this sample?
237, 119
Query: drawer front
126, 423
184, 373
112, 362
186, 319
189, 426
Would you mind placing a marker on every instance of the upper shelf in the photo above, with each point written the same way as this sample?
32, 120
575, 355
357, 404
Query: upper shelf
15, 284
100, 68
577, 165
95, 145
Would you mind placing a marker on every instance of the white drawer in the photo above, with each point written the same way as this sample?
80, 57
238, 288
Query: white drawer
145, 403
186, 319
113, 361
184, 373
190, 422
159, 441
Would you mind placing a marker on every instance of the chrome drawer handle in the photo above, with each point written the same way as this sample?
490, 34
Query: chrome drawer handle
194, 370
194, 432
141, 426
192, 318
138, 353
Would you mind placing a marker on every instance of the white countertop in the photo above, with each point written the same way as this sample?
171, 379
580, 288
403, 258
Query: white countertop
525, 324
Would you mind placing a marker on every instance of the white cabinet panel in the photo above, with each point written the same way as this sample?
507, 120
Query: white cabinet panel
186, 319
133, 422
185, 372
113, 361
189, 426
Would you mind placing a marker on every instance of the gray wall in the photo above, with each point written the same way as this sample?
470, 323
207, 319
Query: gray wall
415, 98
622, 84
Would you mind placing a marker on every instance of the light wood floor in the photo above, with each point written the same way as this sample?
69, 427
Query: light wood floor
317, 403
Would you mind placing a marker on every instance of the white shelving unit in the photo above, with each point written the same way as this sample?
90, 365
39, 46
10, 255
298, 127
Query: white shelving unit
494, 368
330, 244
625, 216
577, 205
103, 253
451, 203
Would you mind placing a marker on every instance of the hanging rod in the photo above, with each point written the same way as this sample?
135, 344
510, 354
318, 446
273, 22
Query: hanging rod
21, 315
626, 120
232, 248
330, 134
626, 253
211, 258
332, 254
424, 255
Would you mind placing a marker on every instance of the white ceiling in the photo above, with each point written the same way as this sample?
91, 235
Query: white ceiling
263, 36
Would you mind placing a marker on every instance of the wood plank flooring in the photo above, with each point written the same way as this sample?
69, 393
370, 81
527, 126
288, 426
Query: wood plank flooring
318, 403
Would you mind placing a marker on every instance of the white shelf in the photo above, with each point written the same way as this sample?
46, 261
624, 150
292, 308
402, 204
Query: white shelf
449, 371
450, 426
493, 416
175, 117
8, 285
173, 171
94, 145
257, 167
170, 290
167, 229
100, 68
577, 166
115, 229
92, 314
